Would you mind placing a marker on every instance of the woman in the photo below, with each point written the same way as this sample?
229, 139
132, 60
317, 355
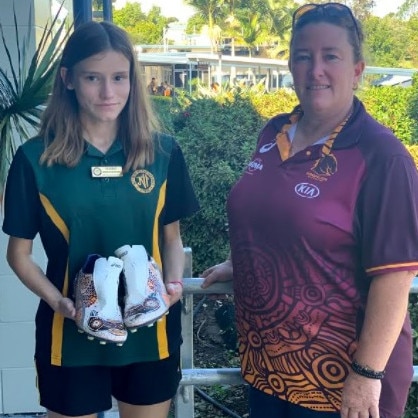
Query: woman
105, 192
322, 259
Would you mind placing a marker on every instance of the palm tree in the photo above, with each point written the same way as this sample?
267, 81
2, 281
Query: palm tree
252, 15
258, 22
25, 88
280, 22
212, 12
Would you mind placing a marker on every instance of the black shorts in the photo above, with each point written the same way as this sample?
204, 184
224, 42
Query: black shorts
75, 391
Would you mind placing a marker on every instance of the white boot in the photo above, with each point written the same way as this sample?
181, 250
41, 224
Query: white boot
96, 299
146, 298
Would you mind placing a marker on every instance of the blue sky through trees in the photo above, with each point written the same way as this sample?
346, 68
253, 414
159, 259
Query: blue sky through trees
177, 8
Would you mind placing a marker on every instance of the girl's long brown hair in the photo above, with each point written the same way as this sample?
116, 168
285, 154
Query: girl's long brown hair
61, 127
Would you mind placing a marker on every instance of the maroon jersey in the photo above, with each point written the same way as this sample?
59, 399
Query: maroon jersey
308, 233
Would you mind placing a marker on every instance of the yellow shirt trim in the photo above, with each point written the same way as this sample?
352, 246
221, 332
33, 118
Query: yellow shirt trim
162, 324
392, 266
58, 319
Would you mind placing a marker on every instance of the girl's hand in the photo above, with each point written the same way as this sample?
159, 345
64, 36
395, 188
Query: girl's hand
65, 307
175, 291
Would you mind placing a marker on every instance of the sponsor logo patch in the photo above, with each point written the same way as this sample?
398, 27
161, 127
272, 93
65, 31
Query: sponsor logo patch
267, 147
255, 165
307, 190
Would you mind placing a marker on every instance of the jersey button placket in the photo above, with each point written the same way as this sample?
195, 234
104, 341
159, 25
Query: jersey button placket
108, 187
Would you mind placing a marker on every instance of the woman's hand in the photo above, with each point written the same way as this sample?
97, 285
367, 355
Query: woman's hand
386, 307
219, 273
360, 397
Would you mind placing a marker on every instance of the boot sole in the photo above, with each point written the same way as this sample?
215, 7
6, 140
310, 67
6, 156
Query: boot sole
100, 340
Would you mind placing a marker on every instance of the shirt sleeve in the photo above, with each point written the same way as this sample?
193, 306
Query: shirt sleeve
388, 217
21, 203
181, 200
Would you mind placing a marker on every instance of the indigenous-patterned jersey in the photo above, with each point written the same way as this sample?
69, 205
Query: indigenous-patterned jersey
77, 212
308, 233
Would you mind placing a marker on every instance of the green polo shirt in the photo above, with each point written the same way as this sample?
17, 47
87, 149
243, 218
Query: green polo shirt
77, 213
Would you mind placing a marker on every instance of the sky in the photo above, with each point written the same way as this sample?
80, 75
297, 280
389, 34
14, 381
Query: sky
177, 8
383, 7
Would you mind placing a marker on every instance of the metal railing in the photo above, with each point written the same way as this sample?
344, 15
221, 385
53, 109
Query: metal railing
184, 402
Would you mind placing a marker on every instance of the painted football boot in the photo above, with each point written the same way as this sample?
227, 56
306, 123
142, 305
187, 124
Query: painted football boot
146, 298
98, 313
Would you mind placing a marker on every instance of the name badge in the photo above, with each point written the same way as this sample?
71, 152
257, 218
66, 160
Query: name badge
106, 171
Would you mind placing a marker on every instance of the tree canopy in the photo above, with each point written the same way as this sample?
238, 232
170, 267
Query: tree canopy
144, 28
265, 25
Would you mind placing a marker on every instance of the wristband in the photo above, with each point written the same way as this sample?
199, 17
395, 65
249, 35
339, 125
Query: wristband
176, 282
366, 371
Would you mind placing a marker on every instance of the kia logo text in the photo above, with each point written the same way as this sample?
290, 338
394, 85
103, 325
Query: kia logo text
310, 191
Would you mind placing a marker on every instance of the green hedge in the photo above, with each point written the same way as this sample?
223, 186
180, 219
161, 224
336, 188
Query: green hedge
389, 106
217, 138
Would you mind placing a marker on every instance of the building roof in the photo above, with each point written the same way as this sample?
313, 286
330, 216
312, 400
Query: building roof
170, 58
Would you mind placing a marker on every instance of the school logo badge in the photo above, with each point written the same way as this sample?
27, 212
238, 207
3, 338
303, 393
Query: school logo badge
143, 181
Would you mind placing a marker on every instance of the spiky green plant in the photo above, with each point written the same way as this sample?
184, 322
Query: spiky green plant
24, 89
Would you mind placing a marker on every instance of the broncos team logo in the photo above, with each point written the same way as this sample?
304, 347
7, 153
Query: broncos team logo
143, 181
325, 166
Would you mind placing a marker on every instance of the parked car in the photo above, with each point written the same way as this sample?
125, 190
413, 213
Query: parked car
394, 80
